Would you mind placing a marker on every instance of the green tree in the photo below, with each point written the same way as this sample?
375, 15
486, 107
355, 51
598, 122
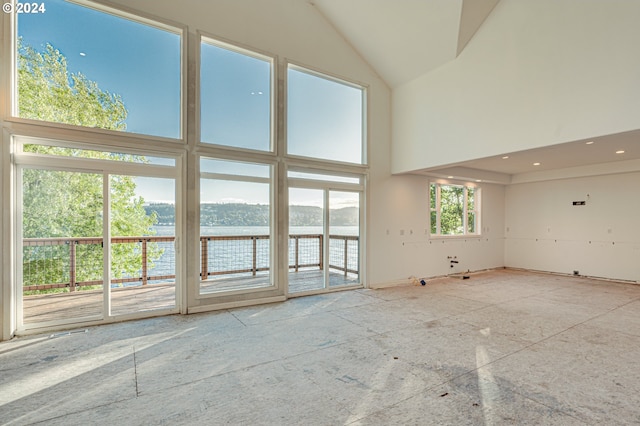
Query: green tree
70, 204
451, 210
47, 91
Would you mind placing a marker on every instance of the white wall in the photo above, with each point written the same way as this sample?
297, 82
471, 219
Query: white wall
544, 231
536, 73
294, 30
403, 247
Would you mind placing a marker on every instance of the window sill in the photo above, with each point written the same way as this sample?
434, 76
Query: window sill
454, 237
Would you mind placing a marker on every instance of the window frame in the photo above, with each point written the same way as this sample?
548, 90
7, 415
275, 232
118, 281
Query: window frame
107, 168
437, 209
10, 114
187, 150
327, 186
274, 283
364, 144
221, 42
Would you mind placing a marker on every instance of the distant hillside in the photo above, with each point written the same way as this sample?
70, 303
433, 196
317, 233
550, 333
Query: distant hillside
234, 214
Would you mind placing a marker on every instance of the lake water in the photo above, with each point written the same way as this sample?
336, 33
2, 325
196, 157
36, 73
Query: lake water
259, 230
238, 254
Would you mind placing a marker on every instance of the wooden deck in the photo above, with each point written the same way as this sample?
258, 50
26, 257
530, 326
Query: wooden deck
151, 297
88, 304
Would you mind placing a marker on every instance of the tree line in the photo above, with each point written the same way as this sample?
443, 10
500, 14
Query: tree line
239, 214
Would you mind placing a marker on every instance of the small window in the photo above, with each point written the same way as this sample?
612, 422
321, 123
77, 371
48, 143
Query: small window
325, 118
454, 209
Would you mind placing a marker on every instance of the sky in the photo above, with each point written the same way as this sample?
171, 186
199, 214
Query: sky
142, 64
136, 61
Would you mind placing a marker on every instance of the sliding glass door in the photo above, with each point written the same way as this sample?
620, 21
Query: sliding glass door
324, 232
96, 236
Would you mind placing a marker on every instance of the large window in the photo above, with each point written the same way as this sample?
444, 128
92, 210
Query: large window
110, 222
81, 66
324, 231
454, 209
97, 233
235, 96
235, 226
324, 117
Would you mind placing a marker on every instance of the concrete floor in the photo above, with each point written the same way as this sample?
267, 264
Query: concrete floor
504, 347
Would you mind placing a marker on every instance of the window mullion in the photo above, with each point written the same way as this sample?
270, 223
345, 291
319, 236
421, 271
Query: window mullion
465, 207
438, 211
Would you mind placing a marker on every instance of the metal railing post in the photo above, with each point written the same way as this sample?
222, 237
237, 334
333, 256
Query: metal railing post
346, 258
255, 253
297, 239
144, 262
72, 265
204, 273
321, 252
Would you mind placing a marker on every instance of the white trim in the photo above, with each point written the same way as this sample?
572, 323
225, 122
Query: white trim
106, 168
43, 161
235, 178
238, 304
465, 212
106, 245
81, 322
327, 75
387, 284
186, 150
273, 235
134, 16
364, 88
49, 131
222, 43
321, 184
326, 290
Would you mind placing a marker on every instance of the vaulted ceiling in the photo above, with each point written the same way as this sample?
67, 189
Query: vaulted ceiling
403, 39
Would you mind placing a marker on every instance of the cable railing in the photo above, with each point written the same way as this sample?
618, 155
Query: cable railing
76, 263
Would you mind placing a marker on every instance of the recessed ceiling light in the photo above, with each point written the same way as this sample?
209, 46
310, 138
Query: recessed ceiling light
478, 180
590, 143
505, 157
536, 164
620, 151
449, 177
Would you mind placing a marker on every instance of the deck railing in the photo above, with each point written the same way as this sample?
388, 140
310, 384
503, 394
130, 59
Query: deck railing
80, 263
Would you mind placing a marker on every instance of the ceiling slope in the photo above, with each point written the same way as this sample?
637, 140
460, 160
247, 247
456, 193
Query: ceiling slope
403, 39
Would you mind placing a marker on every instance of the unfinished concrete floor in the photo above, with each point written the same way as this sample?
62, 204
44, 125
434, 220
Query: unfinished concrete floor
504, 347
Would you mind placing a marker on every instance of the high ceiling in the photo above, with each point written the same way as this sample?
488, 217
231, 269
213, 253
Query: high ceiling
403, 39
611, 153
